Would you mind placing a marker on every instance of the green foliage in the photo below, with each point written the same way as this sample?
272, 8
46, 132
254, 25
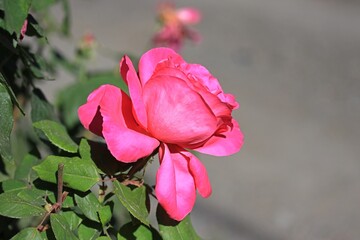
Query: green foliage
86, 232
183, 230
10, 92
15, 14
21, 204
13, 185
57, 135
173, 230
40, 108
24, 169
53, 183
61, 227
6, 123
78, 174
72, 219
89, 205
137, 231
134, 201
28, 234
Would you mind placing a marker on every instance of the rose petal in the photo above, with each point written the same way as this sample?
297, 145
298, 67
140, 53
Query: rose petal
208, 89
177, 114
150, 59
175, 188
199, 173
229, 99
130, 77
168, 68
89, 112
126, 140
218, 107
201, 74
225, 144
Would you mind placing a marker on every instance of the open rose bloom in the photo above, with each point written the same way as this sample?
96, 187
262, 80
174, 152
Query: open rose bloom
173, 106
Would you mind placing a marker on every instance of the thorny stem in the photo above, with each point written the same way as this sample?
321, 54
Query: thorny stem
102, 190
60, 199
60, 184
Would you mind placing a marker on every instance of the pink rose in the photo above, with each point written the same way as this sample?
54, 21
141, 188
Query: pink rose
172, 105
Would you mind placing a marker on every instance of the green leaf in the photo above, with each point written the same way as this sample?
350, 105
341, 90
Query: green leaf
36, 64
15, 14
61, 228
23, 171
78, 174
72, 218
57, 135
138, 232
103, 238
45, 236
87, 232
89, 205
13, 185
67, 203
11, 93
33, 196
15, 206
28, 234
133, 200
6, 123
174, 230
85, 150
72, 97
41, 109
33, 27
105, 214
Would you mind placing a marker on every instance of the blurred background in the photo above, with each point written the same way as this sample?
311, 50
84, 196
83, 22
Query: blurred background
294, 66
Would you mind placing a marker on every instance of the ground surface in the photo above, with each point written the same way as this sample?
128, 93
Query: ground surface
294, 66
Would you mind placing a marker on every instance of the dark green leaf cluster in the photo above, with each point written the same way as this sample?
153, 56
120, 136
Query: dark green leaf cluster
53, 183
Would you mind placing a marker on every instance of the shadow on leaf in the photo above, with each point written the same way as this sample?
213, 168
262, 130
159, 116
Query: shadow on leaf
103, 159
164, 218
131, 231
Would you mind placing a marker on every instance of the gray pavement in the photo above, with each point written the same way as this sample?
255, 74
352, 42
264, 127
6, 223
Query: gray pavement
294, 66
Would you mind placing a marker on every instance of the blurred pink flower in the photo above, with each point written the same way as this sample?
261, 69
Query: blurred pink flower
88, 41
23, 29
174, 26
173, 106
87, 46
